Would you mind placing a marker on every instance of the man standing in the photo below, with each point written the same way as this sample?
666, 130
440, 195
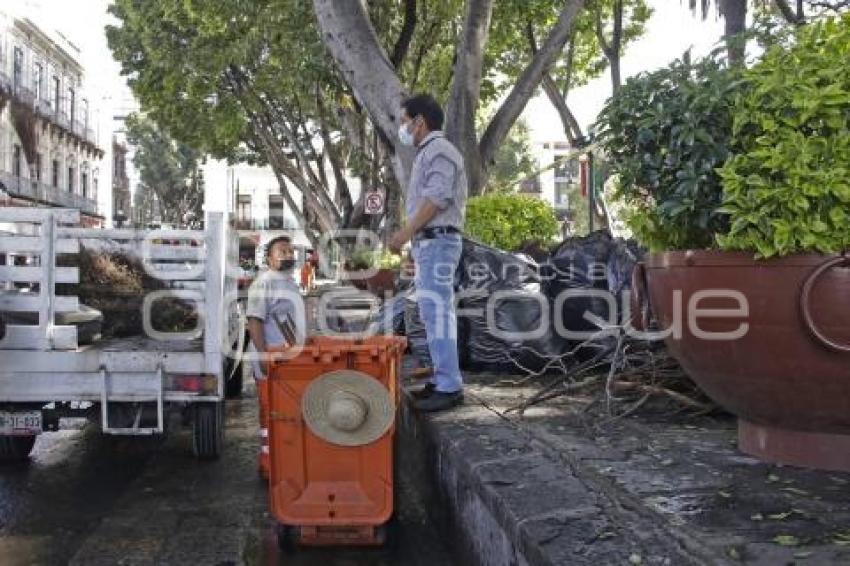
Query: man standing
272, 300
435, 206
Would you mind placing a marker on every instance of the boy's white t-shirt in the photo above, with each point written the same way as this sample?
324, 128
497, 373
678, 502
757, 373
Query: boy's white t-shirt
274, 294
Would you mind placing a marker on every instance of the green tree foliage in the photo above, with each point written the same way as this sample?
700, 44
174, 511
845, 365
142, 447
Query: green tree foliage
599, 37
787, 186
243, 81
507, 221
168, 169
665, 134
514, 160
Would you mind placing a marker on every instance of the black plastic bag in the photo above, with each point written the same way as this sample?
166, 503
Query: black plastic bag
577, 272
417, 339
499, 293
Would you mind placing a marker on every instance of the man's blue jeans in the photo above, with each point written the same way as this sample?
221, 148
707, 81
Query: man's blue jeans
436, 261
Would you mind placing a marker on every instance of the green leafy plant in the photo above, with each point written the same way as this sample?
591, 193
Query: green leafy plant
507, 221
787, 186
664, 134
368, 259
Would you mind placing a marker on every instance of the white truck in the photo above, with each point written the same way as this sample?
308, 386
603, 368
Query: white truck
129, 385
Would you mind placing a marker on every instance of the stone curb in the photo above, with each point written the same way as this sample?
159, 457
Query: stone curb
503, 498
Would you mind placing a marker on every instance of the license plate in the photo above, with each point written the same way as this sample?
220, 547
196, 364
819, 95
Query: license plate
24, 423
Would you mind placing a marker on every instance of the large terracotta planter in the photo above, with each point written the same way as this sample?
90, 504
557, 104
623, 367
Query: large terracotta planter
380, 283
787, 377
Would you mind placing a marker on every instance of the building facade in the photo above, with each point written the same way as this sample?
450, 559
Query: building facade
49, 152
121, 198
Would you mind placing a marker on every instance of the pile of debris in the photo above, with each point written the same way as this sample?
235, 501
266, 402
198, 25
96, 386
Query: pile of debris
562, 320
115, 284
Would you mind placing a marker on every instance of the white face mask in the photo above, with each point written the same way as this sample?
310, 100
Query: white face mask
404, 135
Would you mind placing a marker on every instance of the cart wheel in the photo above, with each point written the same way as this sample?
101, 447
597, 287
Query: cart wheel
208, 430
233, 386
388, 533
16, 448
287, 538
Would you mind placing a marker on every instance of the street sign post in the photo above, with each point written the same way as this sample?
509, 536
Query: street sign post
375, 202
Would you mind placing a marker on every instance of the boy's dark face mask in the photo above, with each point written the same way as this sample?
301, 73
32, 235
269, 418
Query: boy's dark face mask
286, 264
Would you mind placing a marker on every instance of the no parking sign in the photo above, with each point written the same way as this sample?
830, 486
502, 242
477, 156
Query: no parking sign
375, 202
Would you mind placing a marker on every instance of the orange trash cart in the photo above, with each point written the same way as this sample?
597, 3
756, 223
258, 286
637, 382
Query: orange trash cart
332, 409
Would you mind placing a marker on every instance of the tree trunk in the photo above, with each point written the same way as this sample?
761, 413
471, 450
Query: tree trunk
350, 38
611, 50
466, 89
735, 17
616, 46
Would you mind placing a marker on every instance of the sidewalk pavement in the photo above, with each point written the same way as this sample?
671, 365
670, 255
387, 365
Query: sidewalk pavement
557, 487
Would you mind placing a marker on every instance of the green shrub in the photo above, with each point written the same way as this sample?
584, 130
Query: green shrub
365, 258
787, 186
508, 221
664, 134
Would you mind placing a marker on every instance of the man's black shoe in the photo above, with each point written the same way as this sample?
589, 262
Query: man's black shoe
439, 401
424, 392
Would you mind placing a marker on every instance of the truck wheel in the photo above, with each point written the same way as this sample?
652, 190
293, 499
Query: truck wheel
208, 430
16, 448
233, 386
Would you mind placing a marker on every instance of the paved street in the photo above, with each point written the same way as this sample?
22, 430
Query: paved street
85, 499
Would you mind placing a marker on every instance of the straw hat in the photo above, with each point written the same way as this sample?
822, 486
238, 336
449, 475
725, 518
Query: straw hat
347, 408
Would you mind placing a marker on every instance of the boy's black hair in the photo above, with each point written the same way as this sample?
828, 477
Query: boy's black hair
275, 240
426, 106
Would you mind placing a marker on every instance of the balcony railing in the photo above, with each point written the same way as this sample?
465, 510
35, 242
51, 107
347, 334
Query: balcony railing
273, 223
79, 128
24, 94
44, 108
62, 119
5, 81
47, 109
36, 190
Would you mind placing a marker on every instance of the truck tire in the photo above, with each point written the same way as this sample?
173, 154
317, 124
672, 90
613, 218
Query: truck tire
16, 448
233, 386
208, 430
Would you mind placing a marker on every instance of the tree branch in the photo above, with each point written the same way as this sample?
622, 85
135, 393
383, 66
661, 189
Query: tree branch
787, 12
527, 82
406, 35
342, 191
568, 80
424, 47
833, 6
600, 32
572, 129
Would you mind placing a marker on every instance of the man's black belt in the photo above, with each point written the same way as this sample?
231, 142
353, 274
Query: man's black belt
431, 232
